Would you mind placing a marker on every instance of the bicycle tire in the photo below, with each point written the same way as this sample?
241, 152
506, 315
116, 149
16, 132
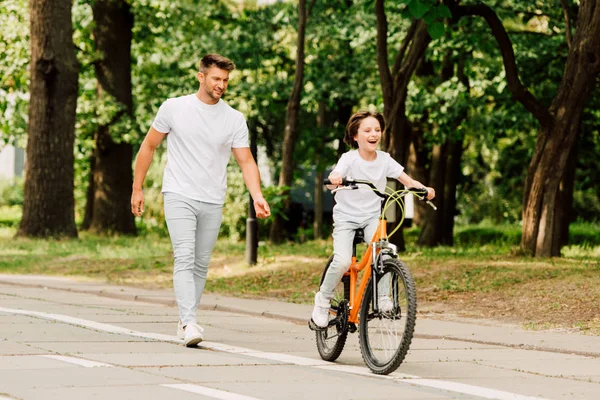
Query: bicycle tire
400, 318
331, 341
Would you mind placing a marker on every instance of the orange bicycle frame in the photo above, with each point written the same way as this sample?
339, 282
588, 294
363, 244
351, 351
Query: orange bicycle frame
356, 294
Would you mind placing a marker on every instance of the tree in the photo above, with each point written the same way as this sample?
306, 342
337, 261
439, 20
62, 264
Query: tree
291, 125
559, 123
108, 208
48, 204
394, 83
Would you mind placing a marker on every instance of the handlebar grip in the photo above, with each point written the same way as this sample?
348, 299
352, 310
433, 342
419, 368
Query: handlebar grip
345, 182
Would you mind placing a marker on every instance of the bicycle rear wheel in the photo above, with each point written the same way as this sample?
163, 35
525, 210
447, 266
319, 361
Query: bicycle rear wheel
386, 334
331, 341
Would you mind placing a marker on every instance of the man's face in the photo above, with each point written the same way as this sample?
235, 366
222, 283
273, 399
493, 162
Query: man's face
214, 82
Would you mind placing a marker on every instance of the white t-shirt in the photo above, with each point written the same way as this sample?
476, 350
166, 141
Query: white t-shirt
363, 203
199, 142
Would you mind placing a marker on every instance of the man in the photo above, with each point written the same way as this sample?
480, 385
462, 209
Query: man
202, 132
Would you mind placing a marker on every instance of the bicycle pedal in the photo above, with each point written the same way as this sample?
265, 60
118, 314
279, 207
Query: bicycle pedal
315, 327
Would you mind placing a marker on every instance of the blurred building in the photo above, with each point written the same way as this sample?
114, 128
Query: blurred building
12, 162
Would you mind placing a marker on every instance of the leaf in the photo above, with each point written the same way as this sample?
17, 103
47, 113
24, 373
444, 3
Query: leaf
418, 9
443, 11
436, 30
369, 5
430, 16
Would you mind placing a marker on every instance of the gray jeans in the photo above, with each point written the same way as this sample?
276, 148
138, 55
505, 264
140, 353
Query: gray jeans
193, 227
343, 235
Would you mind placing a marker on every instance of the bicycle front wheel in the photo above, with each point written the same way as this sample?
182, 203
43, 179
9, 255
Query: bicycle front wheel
386, 328
331, 341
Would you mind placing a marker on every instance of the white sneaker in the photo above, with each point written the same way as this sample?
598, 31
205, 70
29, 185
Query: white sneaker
192, 335
320, 314
180, 331
385, 303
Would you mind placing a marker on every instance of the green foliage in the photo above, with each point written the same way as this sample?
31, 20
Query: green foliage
341, 75
14, 74
10, 216
11, 192
235, 209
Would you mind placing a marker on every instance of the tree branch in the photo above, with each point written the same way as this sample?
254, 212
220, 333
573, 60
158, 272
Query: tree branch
385, 75
404, 45
518, 90
565, 8
310, 7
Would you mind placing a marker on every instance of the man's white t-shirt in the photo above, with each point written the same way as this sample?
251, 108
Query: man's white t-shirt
199, 142
362, 203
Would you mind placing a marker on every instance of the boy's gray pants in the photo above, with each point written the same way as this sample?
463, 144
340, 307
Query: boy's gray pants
193, 227
343, 236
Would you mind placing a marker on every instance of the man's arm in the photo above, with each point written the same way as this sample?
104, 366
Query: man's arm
142, 164
251, 175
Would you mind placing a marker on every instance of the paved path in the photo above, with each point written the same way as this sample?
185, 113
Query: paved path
66, 339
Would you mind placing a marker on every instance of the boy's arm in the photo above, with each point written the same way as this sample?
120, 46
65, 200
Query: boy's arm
251, 175
411, 183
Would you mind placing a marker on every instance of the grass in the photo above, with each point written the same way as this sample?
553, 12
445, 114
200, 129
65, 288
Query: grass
482, 280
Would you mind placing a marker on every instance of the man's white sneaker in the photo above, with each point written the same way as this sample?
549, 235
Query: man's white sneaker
320, 314
180, 331
192, 335
385, 303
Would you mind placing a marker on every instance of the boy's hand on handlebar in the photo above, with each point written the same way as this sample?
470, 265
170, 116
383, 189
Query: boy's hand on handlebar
430, 193
335, 178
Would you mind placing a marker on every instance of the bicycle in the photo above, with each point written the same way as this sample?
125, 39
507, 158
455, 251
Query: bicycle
385, 326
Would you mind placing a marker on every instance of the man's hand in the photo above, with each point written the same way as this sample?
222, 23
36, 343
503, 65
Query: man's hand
137, 202
261, 207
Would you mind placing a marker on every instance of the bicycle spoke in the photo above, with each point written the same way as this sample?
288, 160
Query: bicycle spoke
386, 334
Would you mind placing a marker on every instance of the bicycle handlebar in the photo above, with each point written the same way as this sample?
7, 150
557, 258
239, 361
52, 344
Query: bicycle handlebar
421, 193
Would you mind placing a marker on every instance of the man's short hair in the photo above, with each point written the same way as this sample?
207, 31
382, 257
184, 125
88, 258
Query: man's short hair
216, 60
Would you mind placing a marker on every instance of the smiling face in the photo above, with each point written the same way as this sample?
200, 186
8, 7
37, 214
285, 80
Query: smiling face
213, 84
368, 135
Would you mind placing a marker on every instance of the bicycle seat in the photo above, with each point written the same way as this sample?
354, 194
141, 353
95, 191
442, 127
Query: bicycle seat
359, 236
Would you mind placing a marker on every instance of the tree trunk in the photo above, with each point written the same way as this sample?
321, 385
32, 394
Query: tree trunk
567, 187
110, 209
559, 125
556, 140
291, 127
89, 197
437, 226
318, 199
48, 203
394, 84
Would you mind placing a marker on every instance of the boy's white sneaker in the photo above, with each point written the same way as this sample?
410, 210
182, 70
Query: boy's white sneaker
180, 331
192, 335
320, 314
385, 304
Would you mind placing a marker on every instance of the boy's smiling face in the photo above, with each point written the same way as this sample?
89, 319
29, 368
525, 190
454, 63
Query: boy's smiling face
368, 134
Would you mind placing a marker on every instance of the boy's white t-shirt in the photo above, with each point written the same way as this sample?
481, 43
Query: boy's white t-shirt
200, 137
363, 203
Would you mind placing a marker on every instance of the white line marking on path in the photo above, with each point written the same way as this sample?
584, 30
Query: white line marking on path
294, 360
206, 391
469, 389
78, 361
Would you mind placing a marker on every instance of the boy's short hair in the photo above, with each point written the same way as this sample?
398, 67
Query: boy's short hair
354, 123
216, 60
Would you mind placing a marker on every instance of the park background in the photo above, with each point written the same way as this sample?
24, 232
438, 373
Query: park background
495, 104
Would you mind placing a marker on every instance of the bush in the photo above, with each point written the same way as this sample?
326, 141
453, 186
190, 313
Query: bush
11, 192
10, 216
